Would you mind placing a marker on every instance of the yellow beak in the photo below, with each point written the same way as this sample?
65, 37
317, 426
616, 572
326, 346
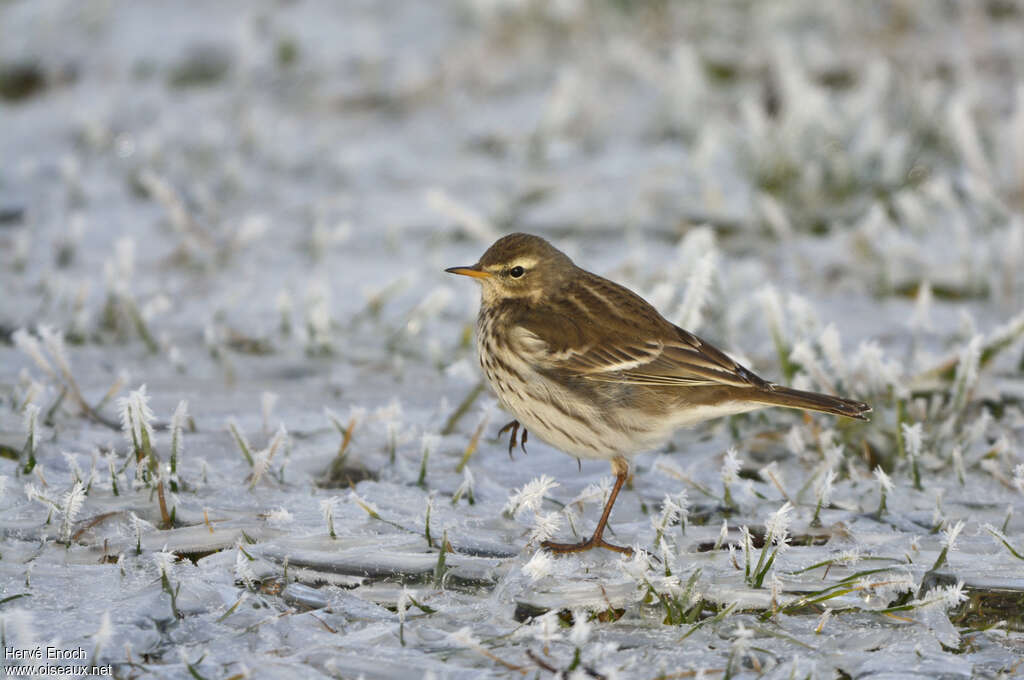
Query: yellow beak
473, 271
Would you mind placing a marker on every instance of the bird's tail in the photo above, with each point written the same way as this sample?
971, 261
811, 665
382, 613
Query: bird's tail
777, 395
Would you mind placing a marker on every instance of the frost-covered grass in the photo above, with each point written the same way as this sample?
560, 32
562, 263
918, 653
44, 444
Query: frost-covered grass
242, 431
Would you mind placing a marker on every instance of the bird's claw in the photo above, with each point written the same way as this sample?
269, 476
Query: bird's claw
589, 544
514, 437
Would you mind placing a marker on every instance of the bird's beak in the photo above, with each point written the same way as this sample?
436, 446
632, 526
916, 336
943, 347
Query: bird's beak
475, 271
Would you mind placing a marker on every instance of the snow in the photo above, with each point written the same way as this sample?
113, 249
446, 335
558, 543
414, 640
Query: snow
232, 220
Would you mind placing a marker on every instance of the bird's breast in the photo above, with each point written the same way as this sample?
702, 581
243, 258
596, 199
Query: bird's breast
553, 407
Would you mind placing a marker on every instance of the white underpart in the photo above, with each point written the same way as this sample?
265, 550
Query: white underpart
576, 427
693, 415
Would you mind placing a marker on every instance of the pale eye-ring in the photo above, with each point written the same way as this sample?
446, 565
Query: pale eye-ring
516, 272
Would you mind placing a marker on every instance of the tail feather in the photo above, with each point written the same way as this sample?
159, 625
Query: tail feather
777, 395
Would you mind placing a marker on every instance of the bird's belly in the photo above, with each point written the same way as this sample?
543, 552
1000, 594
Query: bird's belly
694, 414
564, 419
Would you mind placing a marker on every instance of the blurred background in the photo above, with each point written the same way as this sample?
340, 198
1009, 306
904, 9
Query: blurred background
888, 134
249, 205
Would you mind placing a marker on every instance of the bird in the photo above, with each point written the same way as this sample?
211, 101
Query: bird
594, 370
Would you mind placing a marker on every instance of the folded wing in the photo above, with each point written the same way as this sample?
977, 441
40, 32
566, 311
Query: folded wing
668, 356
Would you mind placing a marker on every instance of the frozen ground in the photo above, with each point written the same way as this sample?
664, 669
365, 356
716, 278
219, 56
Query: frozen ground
247, 206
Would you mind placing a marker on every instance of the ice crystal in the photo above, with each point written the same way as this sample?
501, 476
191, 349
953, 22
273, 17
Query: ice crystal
529, 497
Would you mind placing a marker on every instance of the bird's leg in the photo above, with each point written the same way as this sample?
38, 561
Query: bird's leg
621, 469
514, 426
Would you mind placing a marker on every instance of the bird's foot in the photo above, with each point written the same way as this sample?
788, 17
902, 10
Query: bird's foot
513, 438
590, 543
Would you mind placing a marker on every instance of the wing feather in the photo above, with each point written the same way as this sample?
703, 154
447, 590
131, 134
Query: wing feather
659, 354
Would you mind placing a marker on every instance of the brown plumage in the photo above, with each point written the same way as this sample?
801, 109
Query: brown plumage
595, 370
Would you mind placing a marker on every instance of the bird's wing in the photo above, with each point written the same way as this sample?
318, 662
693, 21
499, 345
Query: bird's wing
686, 360
661, 354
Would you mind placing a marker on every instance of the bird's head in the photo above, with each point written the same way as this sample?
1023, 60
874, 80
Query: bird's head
519, 266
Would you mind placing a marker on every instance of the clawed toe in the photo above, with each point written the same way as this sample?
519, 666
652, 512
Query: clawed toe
589, 544
514, 438
596, 540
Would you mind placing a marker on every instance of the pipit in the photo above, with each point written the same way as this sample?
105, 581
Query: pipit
596, 371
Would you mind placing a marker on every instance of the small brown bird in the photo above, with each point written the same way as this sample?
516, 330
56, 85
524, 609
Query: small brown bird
596, 371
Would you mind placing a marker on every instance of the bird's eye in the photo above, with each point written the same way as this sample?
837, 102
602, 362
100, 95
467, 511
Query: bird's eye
516, 272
